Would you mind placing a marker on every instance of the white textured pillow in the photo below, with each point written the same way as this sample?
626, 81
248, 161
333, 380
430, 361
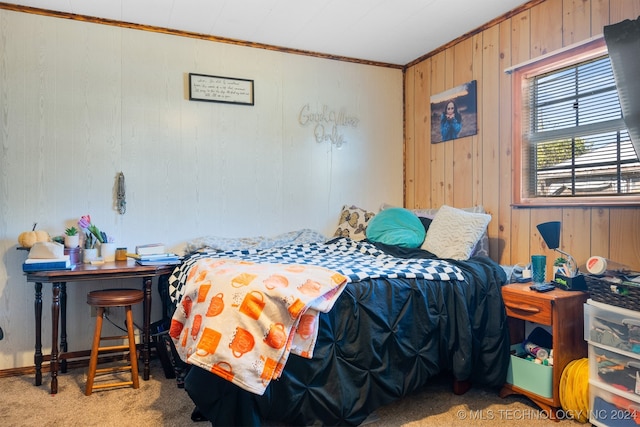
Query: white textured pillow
454, 233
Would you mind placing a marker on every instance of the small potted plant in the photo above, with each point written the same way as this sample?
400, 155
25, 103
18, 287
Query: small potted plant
559, 266
89, 251
71, 238
93, 237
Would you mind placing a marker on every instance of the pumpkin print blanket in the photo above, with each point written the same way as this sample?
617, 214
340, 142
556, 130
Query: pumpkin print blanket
241, 320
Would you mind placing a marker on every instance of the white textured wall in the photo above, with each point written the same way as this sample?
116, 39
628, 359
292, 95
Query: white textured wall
81, 102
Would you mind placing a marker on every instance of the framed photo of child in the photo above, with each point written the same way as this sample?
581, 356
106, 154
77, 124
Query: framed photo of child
454, 113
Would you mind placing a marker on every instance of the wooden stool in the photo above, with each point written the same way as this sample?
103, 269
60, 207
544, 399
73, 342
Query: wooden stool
113, 298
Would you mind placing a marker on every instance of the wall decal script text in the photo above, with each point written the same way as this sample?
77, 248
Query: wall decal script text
327, 123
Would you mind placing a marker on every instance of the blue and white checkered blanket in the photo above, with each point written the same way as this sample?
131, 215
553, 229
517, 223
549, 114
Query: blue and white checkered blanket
356, 260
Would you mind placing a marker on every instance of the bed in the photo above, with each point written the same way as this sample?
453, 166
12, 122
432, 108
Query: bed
401, 316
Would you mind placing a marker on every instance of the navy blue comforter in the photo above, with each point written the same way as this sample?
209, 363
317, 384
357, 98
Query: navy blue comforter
383, 339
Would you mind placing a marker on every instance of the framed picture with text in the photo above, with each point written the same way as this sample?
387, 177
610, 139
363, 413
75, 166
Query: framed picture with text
229, 90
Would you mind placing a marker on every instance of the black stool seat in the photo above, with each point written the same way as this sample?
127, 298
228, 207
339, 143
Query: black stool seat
113, 298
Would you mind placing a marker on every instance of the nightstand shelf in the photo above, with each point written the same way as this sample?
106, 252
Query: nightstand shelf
563, 312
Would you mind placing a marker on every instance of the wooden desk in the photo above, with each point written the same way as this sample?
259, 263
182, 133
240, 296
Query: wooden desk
82, 273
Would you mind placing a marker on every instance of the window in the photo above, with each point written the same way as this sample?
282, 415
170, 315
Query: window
571, 146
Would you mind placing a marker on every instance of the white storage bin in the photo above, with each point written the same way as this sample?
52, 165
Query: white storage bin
610, 407
616, 369
612, 327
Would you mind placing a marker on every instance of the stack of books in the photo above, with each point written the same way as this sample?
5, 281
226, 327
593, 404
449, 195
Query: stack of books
158, 259
150, 249
154, 254
43, 264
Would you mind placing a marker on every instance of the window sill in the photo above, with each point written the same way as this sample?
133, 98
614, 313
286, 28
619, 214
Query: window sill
581, 202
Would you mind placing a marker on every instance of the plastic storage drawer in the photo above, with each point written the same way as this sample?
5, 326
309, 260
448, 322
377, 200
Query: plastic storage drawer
617, 369
610, 407
612, 327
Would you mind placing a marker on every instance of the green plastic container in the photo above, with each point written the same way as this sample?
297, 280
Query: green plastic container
529, 375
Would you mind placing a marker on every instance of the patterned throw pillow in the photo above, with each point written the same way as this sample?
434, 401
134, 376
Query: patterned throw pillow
454, 233
353, 222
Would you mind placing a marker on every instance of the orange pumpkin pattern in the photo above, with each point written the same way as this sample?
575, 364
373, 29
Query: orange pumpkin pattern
272, 312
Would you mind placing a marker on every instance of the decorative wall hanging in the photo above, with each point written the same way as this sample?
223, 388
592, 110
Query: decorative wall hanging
220, 89
454, 113
121, 199
328, 124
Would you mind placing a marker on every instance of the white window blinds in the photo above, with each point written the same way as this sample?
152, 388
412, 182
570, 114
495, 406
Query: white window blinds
577, 142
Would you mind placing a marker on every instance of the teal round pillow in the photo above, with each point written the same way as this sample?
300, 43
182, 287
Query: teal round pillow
396, 226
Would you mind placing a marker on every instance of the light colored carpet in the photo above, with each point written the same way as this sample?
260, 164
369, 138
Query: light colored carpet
159, 402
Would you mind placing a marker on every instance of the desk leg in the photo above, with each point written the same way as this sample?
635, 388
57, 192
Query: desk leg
63, 327
37, 356
146, 333
55, 317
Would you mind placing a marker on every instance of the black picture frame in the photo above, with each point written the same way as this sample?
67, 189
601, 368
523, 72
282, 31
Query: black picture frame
229, 90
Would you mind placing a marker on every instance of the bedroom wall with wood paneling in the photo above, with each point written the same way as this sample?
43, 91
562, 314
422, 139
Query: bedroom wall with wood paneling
477, 169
